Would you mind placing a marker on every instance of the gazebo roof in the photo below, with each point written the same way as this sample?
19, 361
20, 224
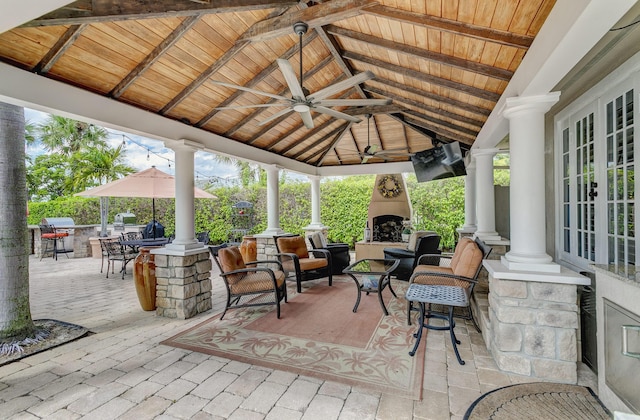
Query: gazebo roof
444, 66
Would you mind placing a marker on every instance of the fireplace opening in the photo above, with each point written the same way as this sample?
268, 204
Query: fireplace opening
387, 228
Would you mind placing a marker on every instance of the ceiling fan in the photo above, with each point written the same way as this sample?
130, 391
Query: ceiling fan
371, 150
301, 100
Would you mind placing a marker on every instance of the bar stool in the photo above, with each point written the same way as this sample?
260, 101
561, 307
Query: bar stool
50, 235
450, 296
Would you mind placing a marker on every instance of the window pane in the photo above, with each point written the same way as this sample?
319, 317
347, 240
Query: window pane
610, 152
567, 210
629, 145
619, 148
610, 184
612, 220
621, 253
631, 252
630, 182
567, 240
631, 222
612, 250
619, 119
629, 107
609, 117
621, 222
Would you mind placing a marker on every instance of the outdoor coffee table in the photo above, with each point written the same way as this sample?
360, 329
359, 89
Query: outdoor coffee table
372, 276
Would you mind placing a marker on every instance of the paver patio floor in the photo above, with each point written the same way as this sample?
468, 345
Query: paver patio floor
121, 370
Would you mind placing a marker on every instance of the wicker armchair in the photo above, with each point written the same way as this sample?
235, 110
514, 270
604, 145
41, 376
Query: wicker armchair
460, 269
244, 283
295, 258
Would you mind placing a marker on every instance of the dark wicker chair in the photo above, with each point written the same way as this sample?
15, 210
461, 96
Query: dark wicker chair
244, 283
295, 259
408, 257
340, 257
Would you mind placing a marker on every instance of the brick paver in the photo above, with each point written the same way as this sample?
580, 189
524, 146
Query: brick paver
121, 371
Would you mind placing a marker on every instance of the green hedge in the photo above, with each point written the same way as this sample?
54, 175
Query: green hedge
437, 205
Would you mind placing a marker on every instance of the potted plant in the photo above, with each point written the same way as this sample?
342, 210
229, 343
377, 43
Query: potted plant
406, 233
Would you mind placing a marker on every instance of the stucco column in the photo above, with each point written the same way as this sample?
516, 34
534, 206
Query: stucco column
316, 223
273, 201
470, 225
485, 195
527, 201
185, 237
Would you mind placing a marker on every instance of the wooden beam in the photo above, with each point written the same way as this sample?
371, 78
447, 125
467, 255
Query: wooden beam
447, 60
373, 109
423, 93
443, 134
435, 80
92, 11
314, 16
283, 92
154, 55
452, 26
332, 45
443, 123
333, 144
254, 80
301, 140
420, 105
217, 65
62, 44
319, 141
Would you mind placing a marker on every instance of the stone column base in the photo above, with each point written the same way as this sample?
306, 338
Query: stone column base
183, 284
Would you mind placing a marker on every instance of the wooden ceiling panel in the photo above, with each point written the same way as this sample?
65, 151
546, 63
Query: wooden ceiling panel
443, 63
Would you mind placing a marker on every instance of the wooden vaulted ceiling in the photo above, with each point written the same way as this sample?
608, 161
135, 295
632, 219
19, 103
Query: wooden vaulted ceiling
442, 63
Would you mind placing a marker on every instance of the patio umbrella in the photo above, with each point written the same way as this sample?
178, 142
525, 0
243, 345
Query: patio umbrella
150, 183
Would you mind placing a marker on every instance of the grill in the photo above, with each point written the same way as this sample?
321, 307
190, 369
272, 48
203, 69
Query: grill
122, 219
64, 244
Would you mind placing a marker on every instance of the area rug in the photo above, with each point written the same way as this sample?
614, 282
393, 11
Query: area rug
538, 400
318, 335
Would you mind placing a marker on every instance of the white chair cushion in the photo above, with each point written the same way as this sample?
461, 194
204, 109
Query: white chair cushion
413, 239
319, 240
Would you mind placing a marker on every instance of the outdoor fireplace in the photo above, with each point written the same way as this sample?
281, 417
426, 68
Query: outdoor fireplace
387, 228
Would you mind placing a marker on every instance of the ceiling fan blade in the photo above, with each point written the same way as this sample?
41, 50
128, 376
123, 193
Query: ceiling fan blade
365, 159
246, 89
306, 119
251, 106
340, 86
290, 78
371, 150
352, 102
336, 114
274, 116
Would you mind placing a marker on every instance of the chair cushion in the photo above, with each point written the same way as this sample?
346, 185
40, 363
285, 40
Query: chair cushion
306, 264
413, 239
470, 260
256, 282
293, 245
319, 241
462, 244
231, 259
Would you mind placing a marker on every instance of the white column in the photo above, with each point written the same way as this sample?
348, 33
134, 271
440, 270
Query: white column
185, 237
316, 223
527, 200
485, 195
470, 199
273, 201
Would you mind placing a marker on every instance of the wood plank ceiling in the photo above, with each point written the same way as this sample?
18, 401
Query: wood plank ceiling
443, 64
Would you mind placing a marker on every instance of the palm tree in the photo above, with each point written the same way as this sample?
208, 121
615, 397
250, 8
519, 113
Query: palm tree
15, 312
68, 136
96, 166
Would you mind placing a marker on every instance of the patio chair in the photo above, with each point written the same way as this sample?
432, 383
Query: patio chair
295, 258
131, 236
203, 237
420, 243
340, 257
116, 252
49, 237
460, 269
245, 284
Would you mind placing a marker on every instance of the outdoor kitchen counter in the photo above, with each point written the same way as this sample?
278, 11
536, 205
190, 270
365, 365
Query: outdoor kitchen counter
81, 235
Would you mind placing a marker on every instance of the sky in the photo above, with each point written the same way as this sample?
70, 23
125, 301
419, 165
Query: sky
142, 153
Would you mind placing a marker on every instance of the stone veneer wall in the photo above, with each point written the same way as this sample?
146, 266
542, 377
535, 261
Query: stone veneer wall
534, 328
183, 285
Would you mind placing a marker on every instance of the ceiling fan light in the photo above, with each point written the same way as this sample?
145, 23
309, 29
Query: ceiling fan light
301, 107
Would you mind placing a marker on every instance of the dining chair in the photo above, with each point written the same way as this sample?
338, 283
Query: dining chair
244, 284
116, 252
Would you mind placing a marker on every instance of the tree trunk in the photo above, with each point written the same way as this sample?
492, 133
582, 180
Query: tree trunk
15, 312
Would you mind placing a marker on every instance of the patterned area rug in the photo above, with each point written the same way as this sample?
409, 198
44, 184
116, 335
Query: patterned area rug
538, 401
319, 335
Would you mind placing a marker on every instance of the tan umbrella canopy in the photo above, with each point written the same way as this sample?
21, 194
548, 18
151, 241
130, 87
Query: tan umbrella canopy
150, 183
